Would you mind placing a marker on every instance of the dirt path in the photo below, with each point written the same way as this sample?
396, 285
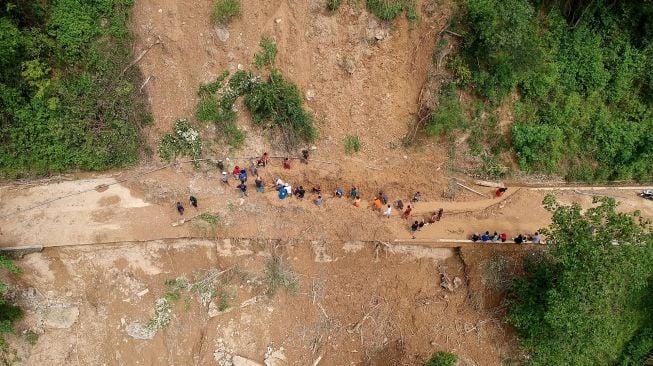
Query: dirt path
143, 209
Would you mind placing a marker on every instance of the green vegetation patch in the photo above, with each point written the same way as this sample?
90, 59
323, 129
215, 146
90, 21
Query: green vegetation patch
581, 71
224, 11
448, 115
278, 103
279, 276
183, 141
267, 54
9, 313
352, 144
587, 301
442, 359
389, 9
273, 102
333, 5
66, 99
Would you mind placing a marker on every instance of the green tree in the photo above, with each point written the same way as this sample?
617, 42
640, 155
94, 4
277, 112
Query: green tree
586, 302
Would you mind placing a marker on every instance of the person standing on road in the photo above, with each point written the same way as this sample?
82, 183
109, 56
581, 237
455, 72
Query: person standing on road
193, 201
242, 176
413, 228
225, 178
180, 208
305, 156
537, 238
383, 197
243, 189
407, 212
377, 203
318, 201
388, 211
354, 192
286, 163
263, 161
259, 184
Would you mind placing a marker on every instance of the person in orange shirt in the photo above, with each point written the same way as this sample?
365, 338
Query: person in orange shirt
377, 203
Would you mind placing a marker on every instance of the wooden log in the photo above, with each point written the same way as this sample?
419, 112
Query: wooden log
472, 190
484, 183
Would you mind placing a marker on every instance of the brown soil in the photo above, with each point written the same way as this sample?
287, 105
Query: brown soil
106, 246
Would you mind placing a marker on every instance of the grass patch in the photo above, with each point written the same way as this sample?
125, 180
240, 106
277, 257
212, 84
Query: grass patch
267, 54
224, 11
31, 338
389, 9
277, 276
223, 301
352, 144
442, 359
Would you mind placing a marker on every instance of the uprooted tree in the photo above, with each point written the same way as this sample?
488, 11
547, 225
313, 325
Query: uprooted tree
588, 301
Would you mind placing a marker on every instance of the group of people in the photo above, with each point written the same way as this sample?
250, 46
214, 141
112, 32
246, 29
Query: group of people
496, 237
380, 203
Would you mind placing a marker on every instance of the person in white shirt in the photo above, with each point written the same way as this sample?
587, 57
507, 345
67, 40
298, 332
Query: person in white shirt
388, 211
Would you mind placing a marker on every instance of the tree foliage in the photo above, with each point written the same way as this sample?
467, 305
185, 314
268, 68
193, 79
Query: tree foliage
581, 70
63, 104
587, 302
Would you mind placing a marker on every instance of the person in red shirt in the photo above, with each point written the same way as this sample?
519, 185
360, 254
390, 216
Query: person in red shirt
286, 163
407, 212
503, 237
236, 171
263, 161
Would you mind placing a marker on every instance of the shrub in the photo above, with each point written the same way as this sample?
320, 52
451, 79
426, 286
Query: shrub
279, 103
333, 5
352, 145
183, 141
449, 114
277, 276
267, 54
224, 11
442, 359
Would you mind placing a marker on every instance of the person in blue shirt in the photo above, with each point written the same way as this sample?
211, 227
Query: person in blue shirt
485, 237
243, 176
354, 192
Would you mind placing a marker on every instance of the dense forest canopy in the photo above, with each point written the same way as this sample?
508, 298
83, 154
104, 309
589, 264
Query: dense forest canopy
63, 102
587, 301
581, 71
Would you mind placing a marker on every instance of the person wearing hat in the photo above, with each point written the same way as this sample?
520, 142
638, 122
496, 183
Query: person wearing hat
225, 178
